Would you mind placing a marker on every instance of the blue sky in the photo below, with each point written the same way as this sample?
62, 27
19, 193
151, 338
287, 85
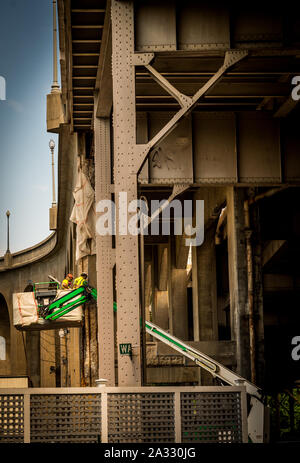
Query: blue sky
25, 168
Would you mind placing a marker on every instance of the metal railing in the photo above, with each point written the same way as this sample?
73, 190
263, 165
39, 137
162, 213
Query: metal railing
119, 414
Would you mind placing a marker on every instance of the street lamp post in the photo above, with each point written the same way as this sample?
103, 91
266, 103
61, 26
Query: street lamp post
8, 256
55, 86
52, 146
8, 215
53, 209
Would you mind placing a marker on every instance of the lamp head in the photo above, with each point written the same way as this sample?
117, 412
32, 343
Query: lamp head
7, 213
51, 144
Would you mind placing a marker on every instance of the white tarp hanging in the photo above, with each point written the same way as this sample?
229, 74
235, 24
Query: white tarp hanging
25, 314
84, 215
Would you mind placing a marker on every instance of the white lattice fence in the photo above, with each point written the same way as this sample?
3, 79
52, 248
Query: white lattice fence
211, 417
149, 414
11, 417
65, 418
141, 417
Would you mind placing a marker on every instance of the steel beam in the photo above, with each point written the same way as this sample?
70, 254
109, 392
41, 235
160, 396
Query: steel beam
125, 178
105, 255
225, 89
166, 85
104, 78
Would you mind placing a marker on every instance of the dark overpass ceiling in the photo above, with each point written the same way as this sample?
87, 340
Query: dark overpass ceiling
262, 81
87, 22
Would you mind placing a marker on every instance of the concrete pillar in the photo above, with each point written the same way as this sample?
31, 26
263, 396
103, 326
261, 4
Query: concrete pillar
48, 361
204, 268
33, 357
205, 295
5, 358
237, 264
70, 357
177, 290
160, 314
161, 309
204, 275
74, 357
207, 288
64, 358
17, 352
258, 296
195, 294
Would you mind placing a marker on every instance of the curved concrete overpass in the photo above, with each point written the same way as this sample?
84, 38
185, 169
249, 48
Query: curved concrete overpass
30, 255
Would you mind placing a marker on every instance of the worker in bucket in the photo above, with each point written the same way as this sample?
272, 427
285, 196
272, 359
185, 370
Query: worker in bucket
80, 281
67, 282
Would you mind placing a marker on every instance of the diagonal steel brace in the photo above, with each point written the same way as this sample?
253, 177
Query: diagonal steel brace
178, 188
182, 99
188, 103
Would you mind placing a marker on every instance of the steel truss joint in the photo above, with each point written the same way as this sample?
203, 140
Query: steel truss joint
141, 59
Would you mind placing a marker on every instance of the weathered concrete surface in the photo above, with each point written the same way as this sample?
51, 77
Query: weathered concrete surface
207, 288
172, 375
161, 303
238, 278
55, 113
5, 338
177, 290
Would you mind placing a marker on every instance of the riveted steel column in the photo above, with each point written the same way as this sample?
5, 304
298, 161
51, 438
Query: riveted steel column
125, 178
105, 255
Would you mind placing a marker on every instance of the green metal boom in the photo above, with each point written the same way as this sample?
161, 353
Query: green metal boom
68, 302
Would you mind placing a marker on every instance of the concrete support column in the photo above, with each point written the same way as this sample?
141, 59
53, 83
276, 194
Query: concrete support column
33, 357
74, 357
237, 263
47, 358
160, 286
207, 288
204, 274
18, 360
195, 294
204, 268
177, 289
161, 303
65, 379
258, 297
70, 358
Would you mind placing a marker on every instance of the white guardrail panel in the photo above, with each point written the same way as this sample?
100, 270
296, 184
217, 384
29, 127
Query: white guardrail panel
119, 414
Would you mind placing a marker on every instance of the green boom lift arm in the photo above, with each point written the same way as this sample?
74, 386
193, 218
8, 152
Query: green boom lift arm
68, 302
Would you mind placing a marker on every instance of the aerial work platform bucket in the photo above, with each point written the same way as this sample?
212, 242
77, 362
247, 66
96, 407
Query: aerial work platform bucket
26, 314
